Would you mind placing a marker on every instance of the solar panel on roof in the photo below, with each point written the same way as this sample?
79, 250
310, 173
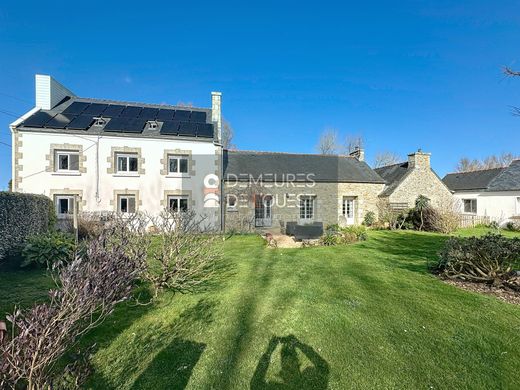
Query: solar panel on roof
165, 115
188, 128
81, 122
205, 130
95, 109
76, 108
131, 112
38, 119
113, 110
170, 127
60, 121
198, 116
182, 115
148, 113
125, 125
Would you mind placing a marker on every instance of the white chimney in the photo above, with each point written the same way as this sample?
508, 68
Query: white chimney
49, 92
216, 113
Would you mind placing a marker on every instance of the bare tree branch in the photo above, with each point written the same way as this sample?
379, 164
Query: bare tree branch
383, 159
328, 142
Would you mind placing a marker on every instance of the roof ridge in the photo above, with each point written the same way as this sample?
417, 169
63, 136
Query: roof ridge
129, 103
476, 170
291, 153
391, 165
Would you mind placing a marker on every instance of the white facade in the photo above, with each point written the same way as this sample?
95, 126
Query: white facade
97, 182
499, 206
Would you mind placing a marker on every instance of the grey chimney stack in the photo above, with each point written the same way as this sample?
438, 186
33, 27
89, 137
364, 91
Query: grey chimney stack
358, 153
216, 113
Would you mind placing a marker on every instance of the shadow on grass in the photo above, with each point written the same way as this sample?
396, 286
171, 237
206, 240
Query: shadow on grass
174, 364
291, 376
171, 355
413, 251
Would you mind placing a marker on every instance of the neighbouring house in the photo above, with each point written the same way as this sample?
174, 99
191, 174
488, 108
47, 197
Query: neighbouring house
406, 181
267, 190
102, 155
493, 193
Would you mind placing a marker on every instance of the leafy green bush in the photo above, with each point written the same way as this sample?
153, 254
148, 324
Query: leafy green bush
336, 235
48, 249
488, 259
21, 216
330, 239
359, 231
370, 219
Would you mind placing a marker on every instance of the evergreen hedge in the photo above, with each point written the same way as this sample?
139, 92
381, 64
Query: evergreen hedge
21, 216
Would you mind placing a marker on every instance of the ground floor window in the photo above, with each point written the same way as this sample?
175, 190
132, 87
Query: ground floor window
306, 207
126, 204
178, 203
64, 205
470, 206
518, 205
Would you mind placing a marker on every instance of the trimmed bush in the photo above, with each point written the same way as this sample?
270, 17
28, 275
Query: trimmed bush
336, 235
513, 227
21, 216
47, 249
490, 259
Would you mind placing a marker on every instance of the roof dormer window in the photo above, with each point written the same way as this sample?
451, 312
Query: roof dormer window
152, 125
99, 122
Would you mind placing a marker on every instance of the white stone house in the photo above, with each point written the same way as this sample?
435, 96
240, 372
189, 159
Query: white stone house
493, 193
117, 156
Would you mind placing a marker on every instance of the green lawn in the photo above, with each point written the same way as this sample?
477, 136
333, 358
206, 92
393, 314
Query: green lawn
364, 316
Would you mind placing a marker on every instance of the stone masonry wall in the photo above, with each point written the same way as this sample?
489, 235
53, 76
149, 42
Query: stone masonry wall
328, 203
422, 182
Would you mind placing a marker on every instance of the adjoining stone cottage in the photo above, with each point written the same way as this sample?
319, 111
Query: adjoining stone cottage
265, 190
406, 181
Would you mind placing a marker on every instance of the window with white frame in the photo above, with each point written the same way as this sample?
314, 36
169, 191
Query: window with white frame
127, 163
470, 206
518, 205
306, 207
177, 164
66, 161
178, 203
64, 205
126, 204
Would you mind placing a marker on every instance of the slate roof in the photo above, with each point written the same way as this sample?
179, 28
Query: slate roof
393, 175
271, 166
496, 179
76, 115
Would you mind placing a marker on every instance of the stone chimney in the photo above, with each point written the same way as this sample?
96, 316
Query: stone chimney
216, 113
419, 160
358, 153
49, 92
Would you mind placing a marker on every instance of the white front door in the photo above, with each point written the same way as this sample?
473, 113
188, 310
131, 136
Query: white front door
349, 210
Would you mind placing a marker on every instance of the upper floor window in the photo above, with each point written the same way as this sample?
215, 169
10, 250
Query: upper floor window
177, 164
67, 161
470, 206
127, 163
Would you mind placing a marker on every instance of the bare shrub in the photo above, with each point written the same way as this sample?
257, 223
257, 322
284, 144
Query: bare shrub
446, 218
87, 290
184, 253
389, 216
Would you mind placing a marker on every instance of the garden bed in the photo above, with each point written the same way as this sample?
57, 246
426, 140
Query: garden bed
503, 293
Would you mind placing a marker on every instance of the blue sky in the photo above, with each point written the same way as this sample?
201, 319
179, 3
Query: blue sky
403, 75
